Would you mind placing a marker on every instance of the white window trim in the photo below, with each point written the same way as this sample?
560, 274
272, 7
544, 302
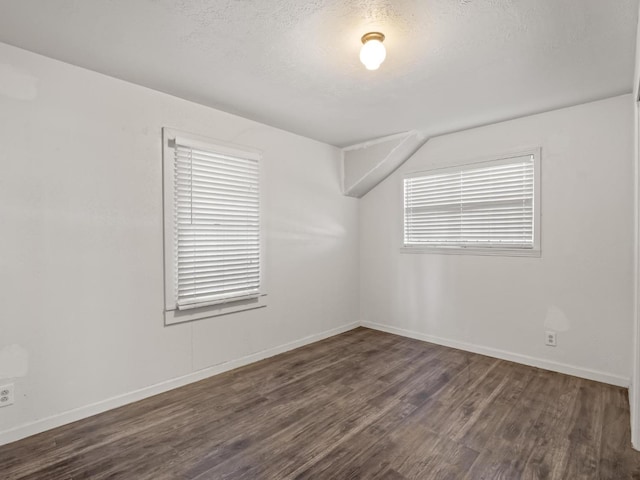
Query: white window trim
171, 314
536, 251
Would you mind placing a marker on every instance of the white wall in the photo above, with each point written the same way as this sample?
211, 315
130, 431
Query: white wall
81, 273
582, 285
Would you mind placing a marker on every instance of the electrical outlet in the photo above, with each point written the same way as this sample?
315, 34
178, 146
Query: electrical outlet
6, 395
550, 339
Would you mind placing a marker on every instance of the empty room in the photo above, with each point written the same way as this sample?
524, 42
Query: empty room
319, 239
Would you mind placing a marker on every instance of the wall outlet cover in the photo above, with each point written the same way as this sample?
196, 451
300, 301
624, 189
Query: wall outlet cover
6, 395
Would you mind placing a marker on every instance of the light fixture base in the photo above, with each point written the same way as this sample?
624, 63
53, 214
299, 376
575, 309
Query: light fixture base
372, 36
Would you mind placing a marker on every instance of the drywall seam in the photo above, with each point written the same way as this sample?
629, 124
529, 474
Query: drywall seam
64, 418
567, 369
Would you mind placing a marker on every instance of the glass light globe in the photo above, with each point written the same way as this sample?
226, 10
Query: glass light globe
372, 54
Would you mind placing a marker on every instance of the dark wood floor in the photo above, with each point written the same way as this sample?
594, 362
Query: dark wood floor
363, 405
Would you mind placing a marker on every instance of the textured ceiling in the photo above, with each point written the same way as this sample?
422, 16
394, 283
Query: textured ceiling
451, 64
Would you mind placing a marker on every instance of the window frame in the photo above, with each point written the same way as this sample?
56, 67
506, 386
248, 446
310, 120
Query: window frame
536, 251
172, 315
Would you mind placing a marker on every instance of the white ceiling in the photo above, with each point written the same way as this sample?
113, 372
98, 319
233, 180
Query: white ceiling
451, 64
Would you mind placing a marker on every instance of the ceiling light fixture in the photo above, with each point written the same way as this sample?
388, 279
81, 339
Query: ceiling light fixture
372, 53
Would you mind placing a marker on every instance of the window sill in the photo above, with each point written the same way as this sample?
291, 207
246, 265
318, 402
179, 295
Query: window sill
172, 317
499, 252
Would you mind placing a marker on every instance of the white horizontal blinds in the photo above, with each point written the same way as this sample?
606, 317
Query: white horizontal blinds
483, 205
217, 237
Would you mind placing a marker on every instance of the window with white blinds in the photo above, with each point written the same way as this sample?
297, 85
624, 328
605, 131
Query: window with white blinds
487, 205
216, 225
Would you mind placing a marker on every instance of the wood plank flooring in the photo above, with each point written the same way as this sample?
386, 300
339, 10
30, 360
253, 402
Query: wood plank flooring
361, 405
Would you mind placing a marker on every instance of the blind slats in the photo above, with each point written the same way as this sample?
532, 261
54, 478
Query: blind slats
488, 205
217, 227
210, 285
215, 273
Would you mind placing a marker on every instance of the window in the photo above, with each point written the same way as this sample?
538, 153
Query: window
490, 207
212, 228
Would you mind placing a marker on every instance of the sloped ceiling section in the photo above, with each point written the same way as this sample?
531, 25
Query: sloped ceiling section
293, 64
367, 164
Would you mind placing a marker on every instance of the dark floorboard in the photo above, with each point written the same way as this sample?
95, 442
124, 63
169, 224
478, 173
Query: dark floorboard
361, 405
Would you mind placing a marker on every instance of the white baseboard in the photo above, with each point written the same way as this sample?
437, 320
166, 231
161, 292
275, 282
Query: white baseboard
69, 416
589, 374
64, 418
